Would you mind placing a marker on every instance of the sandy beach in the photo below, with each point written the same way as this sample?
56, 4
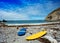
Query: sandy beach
8, 33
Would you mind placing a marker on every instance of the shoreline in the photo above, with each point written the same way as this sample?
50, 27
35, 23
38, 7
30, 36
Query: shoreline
29, 24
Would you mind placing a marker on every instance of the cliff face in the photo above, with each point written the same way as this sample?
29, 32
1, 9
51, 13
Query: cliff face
54, 15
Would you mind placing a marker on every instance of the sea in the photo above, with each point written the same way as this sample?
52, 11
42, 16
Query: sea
22, 22
11, 22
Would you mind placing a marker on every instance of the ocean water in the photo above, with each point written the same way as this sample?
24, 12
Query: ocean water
24, 21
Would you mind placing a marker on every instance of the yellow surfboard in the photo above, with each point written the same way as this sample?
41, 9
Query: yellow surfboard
37, 35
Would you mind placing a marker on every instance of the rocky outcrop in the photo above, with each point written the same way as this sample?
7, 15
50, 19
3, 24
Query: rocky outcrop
54, 15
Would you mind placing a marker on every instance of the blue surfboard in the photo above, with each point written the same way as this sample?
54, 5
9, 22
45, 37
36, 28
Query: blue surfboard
21, 32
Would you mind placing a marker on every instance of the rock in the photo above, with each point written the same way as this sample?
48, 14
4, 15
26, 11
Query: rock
54, 15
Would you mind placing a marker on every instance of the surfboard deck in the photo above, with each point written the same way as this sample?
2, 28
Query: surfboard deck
37, 35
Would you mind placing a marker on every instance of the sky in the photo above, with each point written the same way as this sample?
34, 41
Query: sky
27, 9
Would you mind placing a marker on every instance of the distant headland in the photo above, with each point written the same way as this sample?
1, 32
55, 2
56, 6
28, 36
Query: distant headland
3, 20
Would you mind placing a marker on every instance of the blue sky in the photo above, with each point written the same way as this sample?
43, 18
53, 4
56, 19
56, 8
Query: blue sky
27, 9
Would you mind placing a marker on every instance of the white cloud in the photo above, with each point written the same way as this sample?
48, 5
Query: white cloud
32, 11
22, 13
36, 9
13, 15
51, 5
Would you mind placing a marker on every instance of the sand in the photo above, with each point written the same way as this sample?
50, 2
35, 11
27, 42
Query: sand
8, 34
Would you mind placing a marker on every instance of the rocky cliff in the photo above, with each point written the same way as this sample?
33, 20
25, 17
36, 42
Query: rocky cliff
54, 15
